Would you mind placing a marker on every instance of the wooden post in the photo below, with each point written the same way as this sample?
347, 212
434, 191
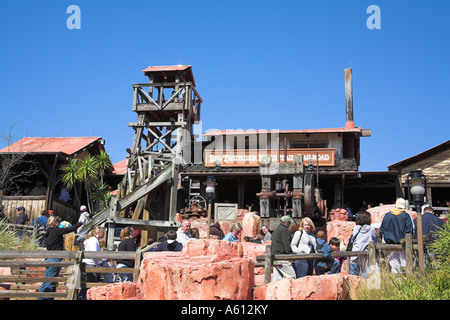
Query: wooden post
372, 254
409, 254
420, 242
111, 225
268, 265
137, 264
208, 228
74, 282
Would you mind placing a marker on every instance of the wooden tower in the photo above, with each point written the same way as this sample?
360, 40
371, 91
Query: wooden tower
167, 108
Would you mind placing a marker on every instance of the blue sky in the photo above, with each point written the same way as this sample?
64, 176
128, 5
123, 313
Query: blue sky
257, 65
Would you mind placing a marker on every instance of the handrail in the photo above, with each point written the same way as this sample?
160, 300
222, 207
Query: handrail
76, 265
406, 245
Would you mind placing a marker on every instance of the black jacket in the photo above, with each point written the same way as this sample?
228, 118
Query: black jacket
165, 246
54, 237
281, 240
127, 245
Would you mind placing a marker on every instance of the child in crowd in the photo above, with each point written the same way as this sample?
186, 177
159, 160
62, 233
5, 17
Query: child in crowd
329, 264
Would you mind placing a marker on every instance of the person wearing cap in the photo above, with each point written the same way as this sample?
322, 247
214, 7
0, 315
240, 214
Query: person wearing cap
394, 227
281, 244
84, 217
21, 219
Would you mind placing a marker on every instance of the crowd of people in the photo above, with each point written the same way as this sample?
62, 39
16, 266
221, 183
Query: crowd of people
305, 238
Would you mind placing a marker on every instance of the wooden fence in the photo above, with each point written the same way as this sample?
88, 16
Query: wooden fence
28, 268
373, 252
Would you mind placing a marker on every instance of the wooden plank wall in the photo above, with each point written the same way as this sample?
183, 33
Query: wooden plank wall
33, 206
436, 168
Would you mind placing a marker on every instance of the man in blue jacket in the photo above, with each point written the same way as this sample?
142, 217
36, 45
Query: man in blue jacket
430, 223
394, 227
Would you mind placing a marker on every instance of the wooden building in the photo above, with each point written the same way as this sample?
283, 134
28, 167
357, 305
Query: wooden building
330, 160
435, 165
49, 155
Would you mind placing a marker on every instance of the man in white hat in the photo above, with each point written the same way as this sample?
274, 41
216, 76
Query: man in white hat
394, 227
84, 217
281, 244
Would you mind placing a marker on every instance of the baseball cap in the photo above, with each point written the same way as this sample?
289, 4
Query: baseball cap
21, 208
400, 203
286, 219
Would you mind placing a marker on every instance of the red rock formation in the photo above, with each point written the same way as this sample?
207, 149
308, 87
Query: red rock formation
325, 287
117, 291
250, 225
204, 270
377, 213
337, 227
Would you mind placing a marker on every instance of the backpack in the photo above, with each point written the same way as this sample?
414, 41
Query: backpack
352, 240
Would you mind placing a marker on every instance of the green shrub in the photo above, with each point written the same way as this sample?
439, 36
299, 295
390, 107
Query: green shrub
435, 285
10, 241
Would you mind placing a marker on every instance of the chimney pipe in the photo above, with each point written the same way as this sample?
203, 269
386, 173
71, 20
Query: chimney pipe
349, 124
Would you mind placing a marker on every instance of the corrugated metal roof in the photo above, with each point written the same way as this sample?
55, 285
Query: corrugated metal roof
120, 167
172, 68
65, 145
166, 68
246, 132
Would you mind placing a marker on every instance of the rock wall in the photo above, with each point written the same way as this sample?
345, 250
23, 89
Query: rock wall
324, 287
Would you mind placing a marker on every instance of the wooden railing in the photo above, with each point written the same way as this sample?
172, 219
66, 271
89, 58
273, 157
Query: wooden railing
36, 231
28, 268
268, 260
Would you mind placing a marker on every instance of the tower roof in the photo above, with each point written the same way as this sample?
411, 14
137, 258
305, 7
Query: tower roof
184, 70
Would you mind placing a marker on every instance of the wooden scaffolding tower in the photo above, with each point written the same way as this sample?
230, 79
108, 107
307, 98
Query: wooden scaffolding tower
167, 108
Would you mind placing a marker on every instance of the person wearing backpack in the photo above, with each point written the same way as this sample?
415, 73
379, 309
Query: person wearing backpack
304, 242
363, 233
329, 264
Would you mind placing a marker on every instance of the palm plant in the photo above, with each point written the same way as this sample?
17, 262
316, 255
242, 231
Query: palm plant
87, 172
70, 176
100, 194
102, 162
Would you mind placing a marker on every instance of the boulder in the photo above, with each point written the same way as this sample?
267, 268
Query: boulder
338, 227
377, 213
324, 287
195, 278
204, 270
250, 225
117, 291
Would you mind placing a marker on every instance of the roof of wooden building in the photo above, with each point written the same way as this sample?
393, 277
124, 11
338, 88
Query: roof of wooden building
171, 69
63, 145
420, 156
323, 130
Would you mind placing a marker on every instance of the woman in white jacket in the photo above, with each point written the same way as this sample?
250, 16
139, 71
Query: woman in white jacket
92, 243
304, 242
363, 233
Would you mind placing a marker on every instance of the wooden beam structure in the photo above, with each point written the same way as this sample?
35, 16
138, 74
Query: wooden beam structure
167, 108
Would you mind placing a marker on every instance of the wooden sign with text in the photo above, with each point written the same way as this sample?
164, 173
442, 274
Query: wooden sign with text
252, 157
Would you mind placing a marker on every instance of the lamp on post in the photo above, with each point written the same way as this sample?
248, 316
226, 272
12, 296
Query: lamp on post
416, 185
210, 194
